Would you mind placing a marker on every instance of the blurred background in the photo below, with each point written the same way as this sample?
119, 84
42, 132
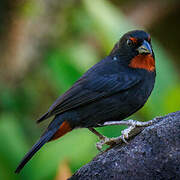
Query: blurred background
46, 46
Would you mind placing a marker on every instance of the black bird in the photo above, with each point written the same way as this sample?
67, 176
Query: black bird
111, 90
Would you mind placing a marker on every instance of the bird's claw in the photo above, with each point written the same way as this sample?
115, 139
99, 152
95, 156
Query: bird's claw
134, 128
103, 141
110, 142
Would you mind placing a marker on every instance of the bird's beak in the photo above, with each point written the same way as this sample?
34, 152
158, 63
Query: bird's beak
145, 48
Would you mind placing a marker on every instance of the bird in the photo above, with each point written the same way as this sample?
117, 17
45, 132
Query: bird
110, 91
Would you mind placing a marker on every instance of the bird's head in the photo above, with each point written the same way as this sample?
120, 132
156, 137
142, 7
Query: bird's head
135, 49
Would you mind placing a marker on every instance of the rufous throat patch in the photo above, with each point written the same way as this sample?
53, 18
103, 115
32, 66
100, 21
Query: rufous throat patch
143, 61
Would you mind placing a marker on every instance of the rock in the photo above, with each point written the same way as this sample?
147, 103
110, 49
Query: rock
152, 154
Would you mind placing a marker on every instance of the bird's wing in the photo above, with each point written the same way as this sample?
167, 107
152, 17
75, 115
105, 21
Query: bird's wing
91, 87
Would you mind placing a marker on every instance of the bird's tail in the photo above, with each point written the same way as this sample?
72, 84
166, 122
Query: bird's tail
47, 136
54, 131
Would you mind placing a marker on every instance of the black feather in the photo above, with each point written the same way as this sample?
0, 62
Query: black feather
47, 136
43, 117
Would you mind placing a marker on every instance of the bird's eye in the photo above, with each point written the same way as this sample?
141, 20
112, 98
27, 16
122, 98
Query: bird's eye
129, 42
132, 41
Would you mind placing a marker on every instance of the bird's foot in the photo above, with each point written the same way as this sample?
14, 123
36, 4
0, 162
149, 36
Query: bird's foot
128, 123
135, 127
103, 140
107, 141
111, 141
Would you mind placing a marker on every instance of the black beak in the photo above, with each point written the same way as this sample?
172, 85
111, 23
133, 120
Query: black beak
145, 48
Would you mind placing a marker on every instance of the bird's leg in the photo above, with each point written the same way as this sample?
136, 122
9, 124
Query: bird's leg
135, 127
129, 122
103, 139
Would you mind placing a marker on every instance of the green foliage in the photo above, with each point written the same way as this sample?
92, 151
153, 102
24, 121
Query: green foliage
93, 28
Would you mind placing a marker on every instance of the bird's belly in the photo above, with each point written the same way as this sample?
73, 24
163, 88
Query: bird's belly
112, 108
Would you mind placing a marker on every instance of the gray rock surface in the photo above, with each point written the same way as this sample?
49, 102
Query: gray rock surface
153, 154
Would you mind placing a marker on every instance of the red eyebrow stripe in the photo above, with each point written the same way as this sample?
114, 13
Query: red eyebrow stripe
133, 39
